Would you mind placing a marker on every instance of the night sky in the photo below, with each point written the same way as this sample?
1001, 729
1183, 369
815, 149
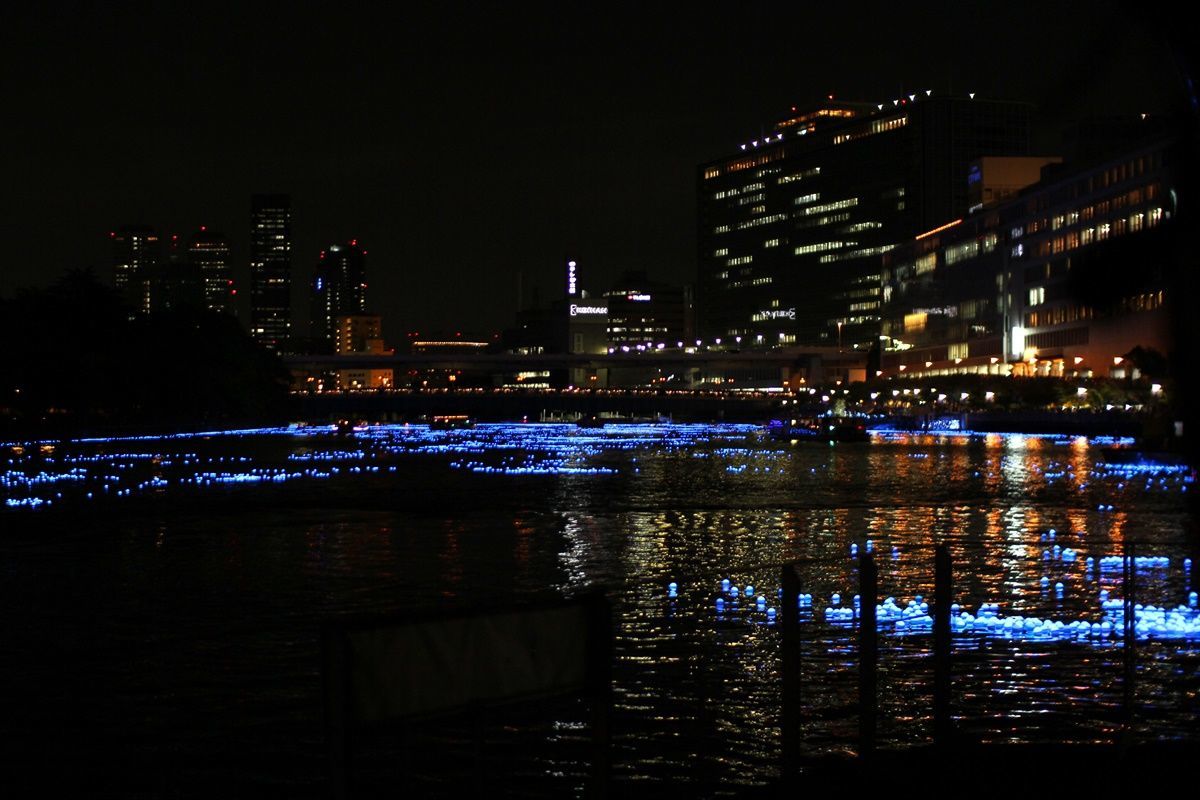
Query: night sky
464, 144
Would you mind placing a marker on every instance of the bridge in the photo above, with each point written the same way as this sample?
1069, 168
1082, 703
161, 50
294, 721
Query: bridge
810, 364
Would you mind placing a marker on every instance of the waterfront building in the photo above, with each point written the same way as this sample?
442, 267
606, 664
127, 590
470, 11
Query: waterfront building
271, 268
587, 324
644, 314
1064, 279
575, 323
359, 334
793, 224
580, 319
208, 255
339, 288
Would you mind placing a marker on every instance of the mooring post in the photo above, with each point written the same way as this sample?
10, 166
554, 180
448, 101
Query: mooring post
790, 718
943, 592
1129, 632
868, 653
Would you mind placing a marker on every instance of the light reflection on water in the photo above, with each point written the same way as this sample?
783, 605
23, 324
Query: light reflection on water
278, 530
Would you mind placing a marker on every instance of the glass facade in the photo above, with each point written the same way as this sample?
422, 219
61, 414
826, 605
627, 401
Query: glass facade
791, 230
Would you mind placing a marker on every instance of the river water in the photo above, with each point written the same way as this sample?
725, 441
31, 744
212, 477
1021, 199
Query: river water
163, 595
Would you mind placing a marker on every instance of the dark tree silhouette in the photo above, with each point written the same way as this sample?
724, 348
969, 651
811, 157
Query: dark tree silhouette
76, 357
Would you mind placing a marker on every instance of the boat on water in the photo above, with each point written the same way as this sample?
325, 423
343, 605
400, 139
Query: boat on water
819, 429
450, 422
1136, 455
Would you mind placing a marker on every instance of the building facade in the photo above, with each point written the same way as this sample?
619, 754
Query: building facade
339, 288
208, 256
361, 334
792, 226
271, 268
136, 255
175, 283
644, 314
1064, 279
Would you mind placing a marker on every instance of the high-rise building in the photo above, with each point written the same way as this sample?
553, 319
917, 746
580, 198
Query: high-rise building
136, 252
174, 283
271, 268
208, 255
339, 288
792, 227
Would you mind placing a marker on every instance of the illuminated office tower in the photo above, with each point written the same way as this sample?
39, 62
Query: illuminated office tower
271, 268
793, 225
339, 288
208, 255
136, 252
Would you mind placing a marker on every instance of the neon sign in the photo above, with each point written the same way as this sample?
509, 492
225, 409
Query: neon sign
588, 310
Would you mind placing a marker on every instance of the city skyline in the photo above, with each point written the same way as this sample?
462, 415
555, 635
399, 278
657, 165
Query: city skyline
578, 399
489, 150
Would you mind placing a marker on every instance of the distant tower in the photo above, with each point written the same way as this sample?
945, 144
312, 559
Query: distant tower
136, 254
271, 268
175, 283
208, 254
339, 287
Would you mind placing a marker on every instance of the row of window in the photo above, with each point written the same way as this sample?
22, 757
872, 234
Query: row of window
799, 176
764, 281
1143, 302
860, 253
821, 247
1103, 208
1057, 316
876, 126
734, 192
757, 221
1097, 233
1064, 338
745, 163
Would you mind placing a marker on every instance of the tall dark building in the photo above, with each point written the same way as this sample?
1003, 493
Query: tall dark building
136, 253
208, 255
271, 268
792, 227
175, 283
339, 288
643, 314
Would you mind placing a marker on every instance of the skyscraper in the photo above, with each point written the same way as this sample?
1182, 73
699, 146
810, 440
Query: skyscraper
136, 253
175, 283
270, 268
792, 227
208, 254
339, 287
